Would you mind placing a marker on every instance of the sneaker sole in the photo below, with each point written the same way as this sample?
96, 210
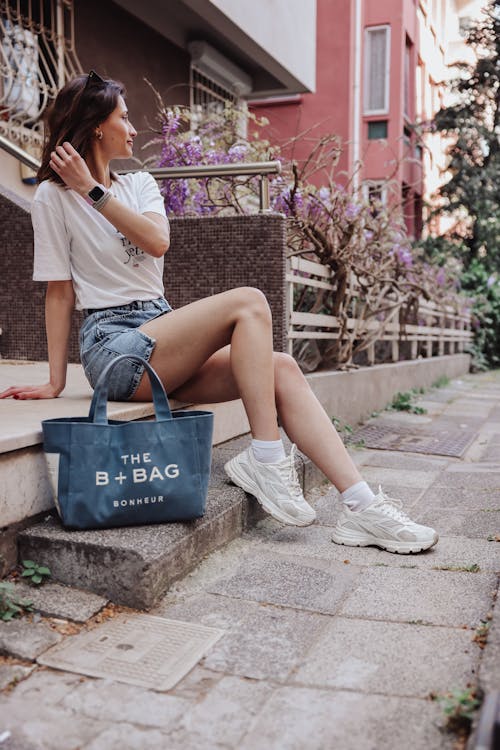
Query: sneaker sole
389, 545
242, 481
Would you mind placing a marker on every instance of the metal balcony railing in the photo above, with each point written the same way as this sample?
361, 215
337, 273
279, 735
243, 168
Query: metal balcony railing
260, 169
19, 153
37, 56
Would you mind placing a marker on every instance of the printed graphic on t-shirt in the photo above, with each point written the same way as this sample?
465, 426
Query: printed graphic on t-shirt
134, 254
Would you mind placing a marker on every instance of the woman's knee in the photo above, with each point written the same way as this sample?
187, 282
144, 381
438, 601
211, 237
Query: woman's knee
286, 372
252, 302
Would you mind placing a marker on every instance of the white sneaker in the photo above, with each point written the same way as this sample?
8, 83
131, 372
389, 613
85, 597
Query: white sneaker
276, 486
383, 524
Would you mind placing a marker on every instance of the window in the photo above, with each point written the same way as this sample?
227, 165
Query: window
407, 206
419, 218
375, 193
376, 77
420, 90
408, 79
37, 55
377, 129
208, 97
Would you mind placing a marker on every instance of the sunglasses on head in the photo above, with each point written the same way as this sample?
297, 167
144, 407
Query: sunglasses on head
92, 79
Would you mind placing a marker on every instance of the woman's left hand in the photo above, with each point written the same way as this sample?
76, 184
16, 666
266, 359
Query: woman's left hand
69, 165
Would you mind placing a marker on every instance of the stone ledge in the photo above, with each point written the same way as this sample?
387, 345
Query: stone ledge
26, 640
54, 600
20, 426
373, 386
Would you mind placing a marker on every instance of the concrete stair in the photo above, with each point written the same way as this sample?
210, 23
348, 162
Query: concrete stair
25, 493
132, 566
135, 566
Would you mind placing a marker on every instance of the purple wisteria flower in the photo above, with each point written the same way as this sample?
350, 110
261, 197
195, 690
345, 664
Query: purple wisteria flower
352, 211
403, 255
441, 277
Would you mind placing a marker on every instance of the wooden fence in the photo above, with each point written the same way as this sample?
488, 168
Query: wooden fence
443, 330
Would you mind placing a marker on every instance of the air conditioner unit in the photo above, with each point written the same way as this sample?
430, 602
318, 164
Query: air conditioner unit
214, 65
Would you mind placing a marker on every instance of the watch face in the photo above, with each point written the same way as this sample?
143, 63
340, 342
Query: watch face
96, 193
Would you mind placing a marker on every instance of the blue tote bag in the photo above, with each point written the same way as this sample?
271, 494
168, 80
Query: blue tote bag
109, 473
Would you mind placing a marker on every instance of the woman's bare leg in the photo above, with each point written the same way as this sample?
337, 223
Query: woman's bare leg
194, 361
186, 338
302, 416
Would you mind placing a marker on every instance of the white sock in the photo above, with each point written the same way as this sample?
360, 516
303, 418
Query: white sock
358, 497
268, 451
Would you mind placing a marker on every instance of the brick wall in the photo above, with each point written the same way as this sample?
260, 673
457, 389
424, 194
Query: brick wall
22, 301
212, 255
207, 255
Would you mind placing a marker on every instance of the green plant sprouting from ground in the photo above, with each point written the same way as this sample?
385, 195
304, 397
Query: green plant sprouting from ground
10, 605
342, 427
405, 402
346, 431
35, 574
459, 706
482, 632
441, 382
474, 568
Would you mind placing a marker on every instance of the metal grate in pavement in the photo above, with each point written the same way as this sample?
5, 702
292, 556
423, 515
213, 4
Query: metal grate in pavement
446, 442
143, 650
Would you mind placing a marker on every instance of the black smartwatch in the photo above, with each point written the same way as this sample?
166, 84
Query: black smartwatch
97, 193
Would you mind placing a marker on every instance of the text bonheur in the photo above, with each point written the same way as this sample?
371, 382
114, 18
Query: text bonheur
138, 473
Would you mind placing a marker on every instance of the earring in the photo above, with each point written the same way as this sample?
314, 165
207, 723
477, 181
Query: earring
98, 135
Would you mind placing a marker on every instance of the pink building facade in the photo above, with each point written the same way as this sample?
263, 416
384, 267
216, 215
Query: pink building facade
381, 71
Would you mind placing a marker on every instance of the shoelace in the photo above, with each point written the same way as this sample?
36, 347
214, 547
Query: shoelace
392, 507
288, 473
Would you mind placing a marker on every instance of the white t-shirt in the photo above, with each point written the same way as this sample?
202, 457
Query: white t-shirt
74, 241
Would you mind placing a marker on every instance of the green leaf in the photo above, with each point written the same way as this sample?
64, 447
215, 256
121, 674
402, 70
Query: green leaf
36, 578
29, 564
44, 571
26, 573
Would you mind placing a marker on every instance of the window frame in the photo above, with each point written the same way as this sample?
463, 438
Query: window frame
376, 185
367, 68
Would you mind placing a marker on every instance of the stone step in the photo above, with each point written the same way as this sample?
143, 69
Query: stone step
135, 566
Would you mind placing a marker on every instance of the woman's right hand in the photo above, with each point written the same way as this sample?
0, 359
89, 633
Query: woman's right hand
69, 165
25, 392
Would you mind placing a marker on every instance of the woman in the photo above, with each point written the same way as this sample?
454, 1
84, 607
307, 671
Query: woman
99, 242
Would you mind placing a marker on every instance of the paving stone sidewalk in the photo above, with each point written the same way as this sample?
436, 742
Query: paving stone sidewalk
325, 647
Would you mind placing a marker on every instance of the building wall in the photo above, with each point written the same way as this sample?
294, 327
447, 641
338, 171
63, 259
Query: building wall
329, 109
281, 28
118, 45
428, 28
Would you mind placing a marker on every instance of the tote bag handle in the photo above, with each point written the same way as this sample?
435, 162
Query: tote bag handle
98, 406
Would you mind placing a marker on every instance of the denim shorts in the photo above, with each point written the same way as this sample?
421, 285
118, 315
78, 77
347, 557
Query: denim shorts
107, 333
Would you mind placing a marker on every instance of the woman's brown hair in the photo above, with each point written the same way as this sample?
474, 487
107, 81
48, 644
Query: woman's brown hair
78, 110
